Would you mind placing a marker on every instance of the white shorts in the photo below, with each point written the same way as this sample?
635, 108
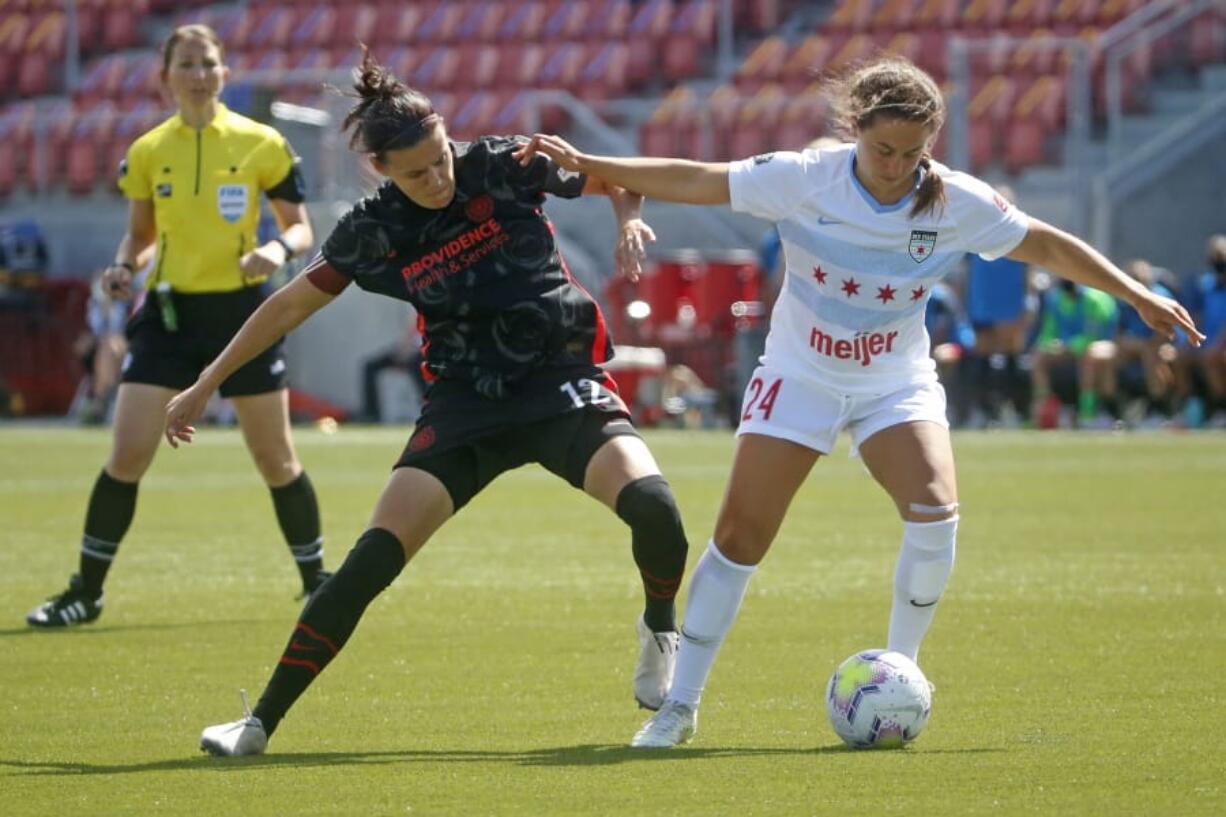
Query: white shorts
805, 411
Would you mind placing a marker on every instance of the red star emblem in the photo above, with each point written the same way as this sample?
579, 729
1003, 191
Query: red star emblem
916, 294
820, 275
885, 293
919, 250
850, 287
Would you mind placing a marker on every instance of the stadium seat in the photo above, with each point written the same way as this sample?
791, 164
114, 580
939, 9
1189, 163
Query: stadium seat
481, 21
1070, 15
983, 17
894, 15
14, 30
939, 15
8, 165
904, 44
723, 112
609, 20
474, 115
1024, 16
34, 77
397, 23
523, 22
989, 108
1036, 55
142, 77
763, 65
521, 65
1208, 38
481, 65
1038, 113
119, 28
803, 119
850, 15
47, 35
804, 64
561, 67
756, 129
439, 24
354, 23
857, 49
437, 70
313, 28
565, 21
605, 73
1111, 12
672, 129
648, 27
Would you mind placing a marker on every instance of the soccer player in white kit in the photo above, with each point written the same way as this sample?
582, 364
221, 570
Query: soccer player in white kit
868, 228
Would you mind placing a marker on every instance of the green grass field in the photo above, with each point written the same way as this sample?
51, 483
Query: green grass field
1079, 655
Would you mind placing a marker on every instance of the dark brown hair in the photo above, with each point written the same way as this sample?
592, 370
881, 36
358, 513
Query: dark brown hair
195, 30
894, 88
388, 115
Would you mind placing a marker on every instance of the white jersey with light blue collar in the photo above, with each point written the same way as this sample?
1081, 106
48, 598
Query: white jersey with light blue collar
851, 311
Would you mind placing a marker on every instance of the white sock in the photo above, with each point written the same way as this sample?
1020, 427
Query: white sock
925, 561
715, 594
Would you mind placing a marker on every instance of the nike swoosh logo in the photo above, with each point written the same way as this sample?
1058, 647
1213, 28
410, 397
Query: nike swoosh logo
827, 221
915, 603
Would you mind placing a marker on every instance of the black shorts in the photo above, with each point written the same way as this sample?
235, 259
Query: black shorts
467, 442
206, 323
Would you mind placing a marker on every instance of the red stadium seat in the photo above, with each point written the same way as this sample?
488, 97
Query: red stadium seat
981, 17
673, 127
14, 30
605, 73
695, 18
47, 35
1070, 15
481, 21
904, 44
803, 119
757, 123
437, 70
850, 15
474, 116
314, 27
523, 22
1024, 16
481, 63
1111, 12
608, 20
860, 47
8, 165
440, 23
142, 77
515, 114
561, 67
937, 14
1036, 55
763, 65
894, 15
805, 63
119, 28
398, 23
1208, 38
354, 23
269, 28
522, 65
34, 76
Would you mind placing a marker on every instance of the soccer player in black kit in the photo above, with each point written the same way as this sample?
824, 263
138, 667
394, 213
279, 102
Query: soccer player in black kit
512, 348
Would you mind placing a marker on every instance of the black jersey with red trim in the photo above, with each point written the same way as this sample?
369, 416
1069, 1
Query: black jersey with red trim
495, 299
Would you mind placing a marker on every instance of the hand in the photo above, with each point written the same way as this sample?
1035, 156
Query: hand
262, 261
182, 410
631, 251
117, 282
1165, 316
562, 152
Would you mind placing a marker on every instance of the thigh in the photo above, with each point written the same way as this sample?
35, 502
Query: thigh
619, 461
264, 419
413, 505
140, 416
596, 451
766, 473
914, 463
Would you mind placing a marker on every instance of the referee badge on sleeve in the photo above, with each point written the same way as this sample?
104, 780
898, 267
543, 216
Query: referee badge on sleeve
921, 244
232, 201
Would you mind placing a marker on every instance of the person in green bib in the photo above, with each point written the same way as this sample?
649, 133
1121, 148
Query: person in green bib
1077, 329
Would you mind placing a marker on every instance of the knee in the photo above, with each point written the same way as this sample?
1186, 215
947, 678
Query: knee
127, 464
647, 505
276, 464
742, 537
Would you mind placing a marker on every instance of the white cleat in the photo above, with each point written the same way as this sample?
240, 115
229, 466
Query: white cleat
245, 736
673, 725
653, 674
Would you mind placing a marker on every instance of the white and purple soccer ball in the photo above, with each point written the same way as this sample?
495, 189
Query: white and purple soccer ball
878, 699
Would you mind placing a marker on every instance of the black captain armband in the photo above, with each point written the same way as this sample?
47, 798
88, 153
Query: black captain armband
292, 188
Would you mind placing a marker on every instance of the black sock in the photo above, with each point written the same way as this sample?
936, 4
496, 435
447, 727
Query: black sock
298, 514
658, 541
111, 506
328, 620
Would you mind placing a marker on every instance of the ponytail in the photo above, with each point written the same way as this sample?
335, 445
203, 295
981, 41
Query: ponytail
388, 115
931, 193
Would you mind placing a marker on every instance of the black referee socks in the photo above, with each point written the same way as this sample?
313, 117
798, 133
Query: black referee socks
298, 515
658, 540
328, 620
112, 504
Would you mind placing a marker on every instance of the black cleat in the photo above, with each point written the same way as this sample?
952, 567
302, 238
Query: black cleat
72, 607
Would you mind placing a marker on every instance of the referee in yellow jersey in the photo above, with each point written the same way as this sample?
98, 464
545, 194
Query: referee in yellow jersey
193, 184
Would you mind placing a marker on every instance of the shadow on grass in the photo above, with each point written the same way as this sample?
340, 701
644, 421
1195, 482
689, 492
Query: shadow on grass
582, 755
103, 629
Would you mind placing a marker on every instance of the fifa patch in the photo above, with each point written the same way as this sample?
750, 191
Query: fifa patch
921, 244
232, 201
763, 158
163, 190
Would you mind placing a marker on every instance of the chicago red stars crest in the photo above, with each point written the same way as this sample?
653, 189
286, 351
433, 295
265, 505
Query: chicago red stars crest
921, 244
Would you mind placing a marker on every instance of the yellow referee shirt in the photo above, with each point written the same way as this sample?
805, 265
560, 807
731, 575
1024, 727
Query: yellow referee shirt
205, 186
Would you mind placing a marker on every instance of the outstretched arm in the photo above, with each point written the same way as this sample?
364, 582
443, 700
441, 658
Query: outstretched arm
678, 180
1070, 257
633, 234
288, 307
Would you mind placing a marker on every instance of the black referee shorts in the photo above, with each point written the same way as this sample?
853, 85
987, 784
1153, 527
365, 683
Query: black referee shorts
206, 323
563, 444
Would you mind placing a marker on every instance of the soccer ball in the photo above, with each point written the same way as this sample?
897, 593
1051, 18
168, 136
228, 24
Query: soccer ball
878, 699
